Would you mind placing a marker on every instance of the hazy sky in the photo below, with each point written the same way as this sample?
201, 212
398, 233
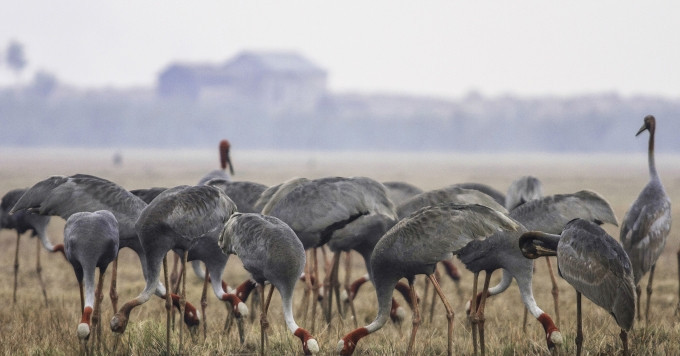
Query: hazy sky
442, 48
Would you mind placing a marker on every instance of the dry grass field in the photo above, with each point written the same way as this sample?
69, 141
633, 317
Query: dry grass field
28, 327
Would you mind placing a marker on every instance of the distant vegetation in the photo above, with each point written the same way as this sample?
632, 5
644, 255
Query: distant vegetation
43, 114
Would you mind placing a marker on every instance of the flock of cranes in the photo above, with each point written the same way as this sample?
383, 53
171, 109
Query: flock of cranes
399, 230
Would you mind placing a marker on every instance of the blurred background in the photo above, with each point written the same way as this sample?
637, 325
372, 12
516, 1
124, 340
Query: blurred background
493, 76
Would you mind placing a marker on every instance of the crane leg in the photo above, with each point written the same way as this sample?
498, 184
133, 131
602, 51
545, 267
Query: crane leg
677, 308
449, 313
183, 298
624, 339
473, 313
264, 323
524, 320
204, 303
437, 276
16, 269
97, 312
638, 291
336, 286
174, 275
168, 305
416, 317
348, 281
426, 294
304, 306
38, 268
112, 290
555, 290
649, 293
579, 325
480, 311
315, 289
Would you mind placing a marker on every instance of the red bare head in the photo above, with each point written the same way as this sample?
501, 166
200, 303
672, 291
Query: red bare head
309, 345
239, 307
84, 326
348, 343
191, 317
225, 161
244, 289
552, 333
354, 287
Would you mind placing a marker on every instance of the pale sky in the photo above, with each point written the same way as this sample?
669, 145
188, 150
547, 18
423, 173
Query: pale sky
441, 48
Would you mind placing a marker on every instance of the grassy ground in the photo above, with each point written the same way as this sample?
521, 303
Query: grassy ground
30, 327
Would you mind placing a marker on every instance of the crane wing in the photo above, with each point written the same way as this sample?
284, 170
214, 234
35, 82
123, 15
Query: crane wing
243, 194
598, 267
188, 211
316, 205
63, 196
452, 194
272, 195
435, 232
550, 214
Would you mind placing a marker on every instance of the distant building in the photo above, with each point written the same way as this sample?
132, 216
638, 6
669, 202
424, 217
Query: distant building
279, 80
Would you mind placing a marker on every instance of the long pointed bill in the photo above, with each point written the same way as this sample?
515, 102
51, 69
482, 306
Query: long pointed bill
642, 129
535, 244
231, 166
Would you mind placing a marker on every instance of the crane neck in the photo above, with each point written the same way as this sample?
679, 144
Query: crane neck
650, 155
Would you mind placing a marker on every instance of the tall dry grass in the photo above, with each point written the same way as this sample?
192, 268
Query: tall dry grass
28, 327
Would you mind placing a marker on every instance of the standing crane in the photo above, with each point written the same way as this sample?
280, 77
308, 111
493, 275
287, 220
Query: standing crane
23, 222
647, 223
187, 219
595, 265
225, 162
91, 242
432, 234
270, 251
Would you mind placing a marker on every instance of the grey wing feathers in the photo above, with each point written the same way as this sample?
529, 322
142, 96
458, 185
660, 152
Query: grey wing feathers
495, 194
598, 267
451, 194
243, 194
435, 231
272, 195
63, 196
523, 190
644, 237
550, 214
180, 209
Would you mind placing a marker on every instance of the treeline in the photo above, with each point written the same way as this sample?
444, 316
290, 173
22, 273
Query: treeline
123, 118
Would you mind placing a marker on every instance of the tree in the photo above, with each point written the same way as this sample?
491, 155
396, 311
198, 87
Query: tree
43, 84
15, 57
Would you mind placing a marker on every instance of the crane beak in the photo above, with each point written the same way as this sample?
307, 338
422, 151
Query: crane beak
642, 129
231, 166
536, 244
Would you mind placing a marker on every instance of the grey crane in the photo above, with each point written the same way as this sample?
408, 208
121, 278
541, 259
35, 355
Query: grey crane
495, 194
345, 213
91, 242
63, 196
451, 194
186, 219
434, 230
410, 248
595, 264
520, 191
647, 223
225, 162
270, 251
23, 222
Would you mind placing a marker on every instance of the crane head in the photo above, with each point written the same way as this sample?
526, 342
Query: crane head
535, 244
649, 124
